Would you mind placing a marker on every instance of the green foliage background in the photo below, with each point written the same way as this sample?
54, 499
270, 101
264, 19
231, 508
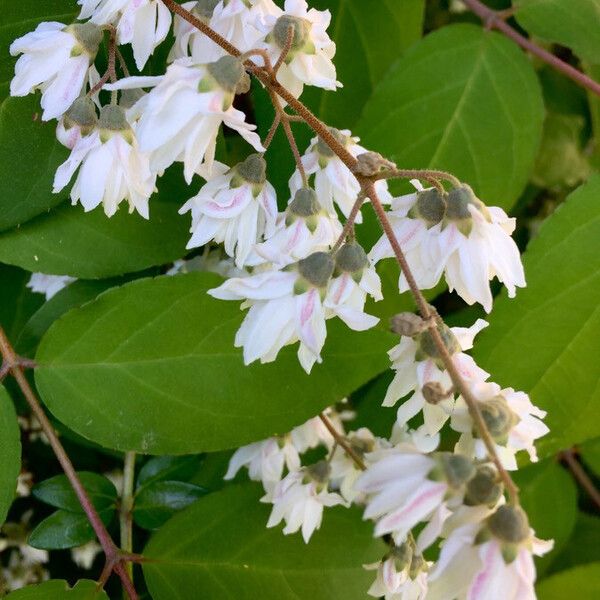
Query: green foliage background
131, 360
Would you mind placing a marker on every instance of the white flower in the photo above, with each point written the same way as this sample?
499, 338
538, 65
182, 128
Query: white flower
313, 433
49, 285
488, 563
405, 487
417, 362
265, 461
179, 119
142, 23
513, 421
78, 121
454, 234
235, 20
299, 498
111, 167
56, 59
287, 306
302, 229
237, 207
84, 556
309, 61
334, 182
401, 575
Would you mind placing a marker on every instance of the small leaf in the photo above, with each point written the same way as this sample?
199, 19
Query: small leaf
162, 468
64, 529
157, 502
56, 589
450, 103
582, 582
571, 23
57, 492
545, 340
10, 453
220, 548
191, 392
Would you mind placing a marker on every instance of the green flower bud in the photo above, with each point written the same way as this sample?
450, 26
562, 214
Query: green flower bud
82, 113
304, 204
88, 37
429, 207
129, 97
229, 74
351, 258
253, 169
427, 346
204, 9
457, 211
498, 417
509, 524
324, 150
455, 469
319, 472
113, 120
316, 269
484, 487
301, 35
402, 555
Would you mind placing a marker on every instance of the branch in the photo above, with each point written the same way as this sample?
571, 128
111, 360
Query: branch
496, 20
342, 442
114, 558
367, 184
126, 507
581, 476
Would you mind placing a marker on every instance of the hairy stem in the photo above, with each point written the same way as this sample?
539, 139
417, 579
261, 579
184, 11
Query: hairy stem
497, 20
581, 476
367, 184
112, 553
126, 507
342, 442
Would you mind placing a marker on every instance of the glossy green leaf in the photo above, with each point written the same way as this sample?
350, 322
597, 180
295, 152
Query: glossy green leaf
56, 589
17, 301
220, 548
590, 453
26, 183
450, 103
571, 23
64, 529
57, 492
173, 468
549, 496
583, 544
151, 367
582, 582
68, 241
10, 453
157, 502
544, 341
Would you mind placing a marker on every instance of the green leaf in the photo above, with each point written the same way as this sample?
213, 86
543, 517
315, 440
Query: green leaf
64, 529
549, 496
57, 492
450, 104
163, 468
157, 502
75, 294
544, 341
68, 241
590, 453
17, 301
220, 548
26, 183
151, 367
583, 544
582, 582
56, 589
571, 23
10, 453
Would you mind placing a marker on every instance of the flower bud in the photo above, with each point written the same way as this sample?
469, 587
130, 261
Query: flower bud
316, 269
204, 9
434, 392
304, 204
429, 207
351, 258
458, 201
82, 114
301, 34
428, 348
484, 488
229, 74
498, 417
509, 524
88, 37
418, 564
128, 98
113, 120
455, 469
253, 169
371, 163
324, 150
319, 472
407, 324
402, 555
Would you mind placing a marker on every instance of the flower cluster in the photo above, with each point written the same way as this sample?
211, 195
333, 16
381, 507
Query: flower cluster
295, 265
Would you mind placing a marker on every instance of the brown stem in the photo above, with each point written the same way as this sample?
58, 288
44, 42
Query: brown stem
368, 187
581, 476
286, 49
113, 556
272, 130
426, 174
496, 20
342, 442
349, 224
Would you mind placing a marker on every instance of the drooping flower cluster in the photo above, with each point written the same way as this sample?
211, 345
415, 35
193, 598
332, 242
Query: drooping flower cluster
294, 267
